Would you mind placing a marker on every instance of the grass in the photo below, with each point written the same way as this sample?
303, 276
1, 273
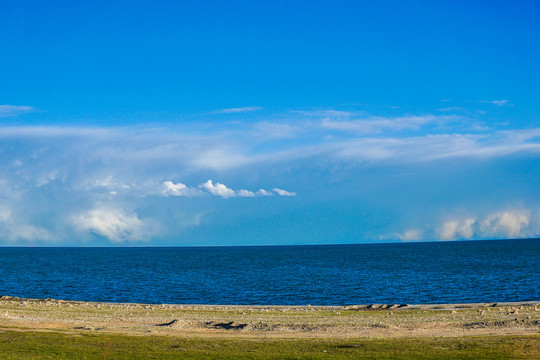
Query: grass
62, 345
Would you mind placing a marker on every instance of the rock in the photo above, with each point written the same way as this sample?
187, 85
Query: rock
374, 306
84, 328
232, 325
169, 323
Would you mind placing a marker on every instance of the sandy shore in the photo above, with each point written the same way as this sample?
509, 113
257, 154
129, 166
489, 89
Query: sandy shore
356, 321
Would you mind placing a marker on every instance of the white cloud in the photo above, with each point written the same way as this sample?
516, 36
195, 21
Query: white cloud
509, 224
29, 233
168, 188
497, 102
218, 189
452, 109
492, 102
222, 190
359, 122
237, 110
113, 224
245, 193
171, 189
410, 235
106, 184
372, 125
219, 157
328, 113
277, 130
263, 192
504, 224
5, 214
14, 110
282, 192
457, 229
13, 228
118, 151
437, 147
48, 132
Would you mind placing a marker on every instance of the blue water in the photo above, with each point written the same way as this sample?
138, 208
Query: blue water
439, 272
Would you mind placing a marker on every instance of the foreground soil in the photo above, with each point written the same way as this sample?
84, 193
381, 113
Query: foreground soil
35, 329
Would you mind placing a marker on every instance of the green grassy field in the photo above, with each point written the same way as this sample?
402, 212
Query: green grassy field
63, 345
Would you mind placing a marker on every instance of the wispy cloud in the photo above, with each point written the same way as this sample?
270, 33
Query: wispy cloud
437, 147
496, 102
373, 125
282, 192
374, 140
328, 113
14, 110
491, 102
277, 130
362, 123
452, 109
237, 110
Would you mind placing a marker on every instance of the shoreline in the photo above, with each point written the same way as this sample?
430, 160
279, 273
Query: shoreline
274, 321
389, 306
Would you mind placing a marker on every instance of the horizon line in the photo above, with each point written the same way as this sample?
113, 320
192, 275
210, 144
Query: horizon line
268, 245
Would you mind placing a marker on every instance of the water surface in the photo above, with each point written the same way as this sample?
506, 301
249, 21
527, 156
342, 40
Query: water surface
438, 272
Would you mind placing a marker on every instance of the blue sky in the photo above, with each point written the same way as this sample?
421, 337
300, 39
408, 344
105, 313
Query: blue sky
247, 123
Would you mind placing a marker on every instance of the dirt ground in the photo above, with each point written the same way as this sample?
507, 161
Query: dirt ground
365, 321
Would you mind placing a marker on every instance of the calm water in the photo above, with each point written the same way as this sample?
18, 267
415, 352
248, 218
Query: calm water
486, 271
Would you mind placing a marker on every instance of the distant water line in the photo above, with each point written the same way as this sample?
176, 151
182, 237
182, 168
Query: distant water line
436, 272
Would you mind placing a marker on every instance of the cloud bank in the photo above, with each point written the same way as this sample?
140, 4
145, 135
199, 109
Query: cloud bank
504, 224
121, 183
115, 225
